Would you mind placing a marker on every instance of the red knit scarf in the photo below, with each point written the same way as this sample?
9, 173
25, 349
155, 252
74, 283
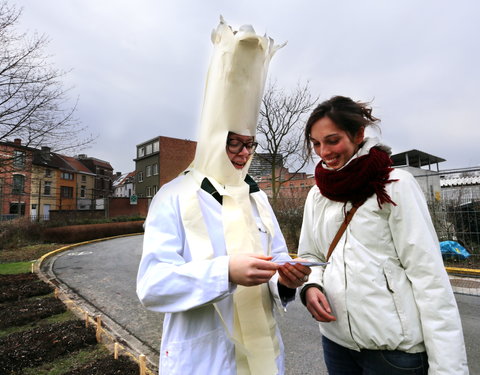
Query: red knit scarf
360, 179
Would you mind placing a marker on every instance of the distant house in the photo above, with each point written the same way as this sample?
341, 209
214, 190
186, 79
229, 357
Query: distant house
261, 165
461, 185
103, 172
35, 182
160, 160
424, 167
53, 184
85, 183
124, 185
15, 178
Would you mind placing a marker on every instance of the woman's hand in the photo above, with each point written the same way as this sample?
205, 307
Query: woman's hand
318, 305
250, 269
293, 275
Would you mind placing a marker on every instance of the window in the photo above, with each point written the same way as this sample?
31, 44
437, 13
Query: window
141, 152
140, 176
83, 191
148, 149
84, 178
66, 192
17, 209
155, 146
155, 189
67, 176
148, 171
155, 169
19, 159
48, 172
18, 184
47, 188
148, 191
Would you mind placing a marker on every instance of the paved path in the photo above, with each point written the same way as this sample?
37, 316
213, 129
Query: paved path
103, 275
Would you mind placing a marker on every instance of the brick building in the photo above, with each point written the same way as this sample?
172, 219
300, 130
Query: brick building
15, 178
160, 160
103, 172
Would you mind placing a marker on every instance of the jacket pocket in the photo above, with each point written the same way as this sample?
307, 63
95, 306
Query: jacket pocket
401, 291
210, 353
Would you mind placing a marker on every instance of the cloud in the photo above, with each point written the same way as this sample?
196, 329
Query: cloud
139, 67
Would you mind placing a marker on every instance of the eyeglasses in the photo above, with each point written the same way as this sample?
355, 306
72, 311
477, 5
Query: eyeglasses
236, 146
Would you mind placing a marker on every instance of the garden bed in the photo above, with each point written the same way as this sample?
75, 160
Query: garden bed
21, 286
39, 343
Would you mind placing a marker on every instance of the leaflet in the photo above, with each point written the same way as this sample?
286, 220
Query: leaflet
302, 262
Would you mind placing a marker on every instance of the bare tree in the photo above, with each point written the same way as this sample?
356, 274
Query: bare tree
280, 131
33, 103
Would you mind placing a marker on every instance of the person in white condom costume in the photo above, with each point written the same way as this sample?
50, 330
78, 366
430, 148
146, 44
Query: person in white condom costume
213, 250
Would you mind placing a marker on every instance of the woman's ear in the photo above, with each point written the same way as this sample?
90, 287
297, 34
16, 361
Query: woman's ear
359, 137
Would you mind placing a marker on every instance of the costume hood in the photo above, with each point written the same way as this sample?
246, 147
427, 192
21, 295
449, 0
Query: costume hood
233, 94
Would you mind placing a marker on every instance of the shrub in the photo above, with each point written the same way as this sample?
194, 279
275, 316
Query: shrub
80, 233
19, 232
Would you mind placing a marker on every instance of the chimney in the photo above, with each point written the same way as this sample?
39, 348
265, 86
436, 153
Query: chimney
45, 153
17, 141
82, 156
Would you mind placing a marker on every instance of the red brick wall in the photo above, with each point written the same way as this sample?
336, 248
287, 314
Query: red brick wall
175, 156
122, 207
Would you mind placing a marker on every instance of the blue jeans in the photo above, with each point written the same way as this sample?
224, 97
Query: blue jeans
343, 361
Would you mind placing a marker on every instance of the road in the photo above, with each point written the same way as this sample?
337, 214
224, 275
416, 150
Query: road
103, 275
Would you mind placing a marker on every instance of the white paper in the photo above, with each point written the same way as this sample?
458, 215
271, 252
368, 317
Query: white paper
302, 262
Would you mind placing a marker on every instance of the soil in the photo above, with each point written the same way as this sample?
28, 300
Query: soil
13, 314
43, 344
21, 286
23, 301
107, 366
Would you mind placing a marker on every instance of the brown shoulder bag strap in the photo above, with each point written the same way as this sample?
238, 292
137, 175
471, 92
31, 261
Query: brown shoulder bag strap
341, 230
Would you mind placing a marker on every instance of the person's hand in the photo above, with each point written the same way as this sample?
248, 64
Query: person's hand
318, 305
293, 275
250, 269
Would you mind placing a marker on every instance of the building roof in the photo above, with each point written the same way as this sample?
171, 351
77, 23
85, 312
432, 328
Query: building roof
77, 165
125, 178
415, 158
262, 164
49, 159
460, 181
89, 161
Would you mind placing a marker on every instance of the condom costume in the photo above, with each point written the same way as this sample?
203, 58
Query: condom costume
215, 210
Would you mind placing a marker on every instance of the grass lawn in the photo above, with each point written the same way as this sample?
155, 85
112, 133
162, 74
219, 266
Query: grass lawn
26, 253
15, 267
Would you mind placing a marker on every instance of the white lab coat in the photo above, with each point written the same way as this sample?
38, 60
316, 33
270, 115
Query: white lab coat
194, 338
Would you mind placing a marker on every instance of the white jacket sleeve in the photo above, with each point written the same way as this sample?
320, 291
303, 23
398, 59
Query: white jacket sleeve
418, 249
308, 244
167, 280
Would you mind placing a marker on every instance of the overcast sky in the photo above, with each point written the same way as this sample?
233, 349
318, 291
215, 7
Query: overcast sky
138, 67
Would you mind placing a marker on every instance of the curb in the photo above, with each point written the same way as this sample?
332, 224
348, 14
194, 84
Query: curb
111, 337
463, 271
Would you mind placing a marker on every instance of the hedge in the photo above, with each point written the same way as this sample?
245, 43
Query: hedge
86, 232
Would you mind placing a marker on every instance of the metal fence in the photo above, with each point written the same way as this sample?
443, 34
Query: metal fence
459, 220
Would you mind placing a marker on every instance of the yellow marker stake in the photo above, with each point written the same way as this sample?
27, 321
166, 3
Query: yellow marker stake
99, 328
141, 363
115, 350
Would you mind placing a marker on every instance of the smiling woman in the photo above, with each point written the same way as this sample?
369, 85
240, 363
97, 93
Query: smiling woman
384, 259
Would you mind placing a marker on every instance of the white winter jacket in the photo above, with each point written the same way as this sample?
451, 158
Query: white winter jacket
194, 338
386, 282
